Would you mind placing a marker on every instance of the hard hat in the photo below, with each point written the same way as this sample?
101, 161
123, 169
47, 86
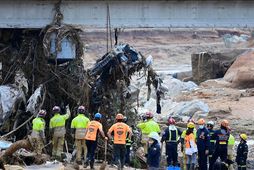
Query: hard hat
56, 109
149, 115
191, 120
97, 115
171, 121
190, 125
210, 123
81, 109
225, 123
201, 121
244, 136
42, 113
119, 116
154, 135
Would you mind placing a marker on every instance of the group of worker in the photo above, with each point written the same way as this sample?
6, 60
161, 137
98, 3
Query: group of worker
85, 133
199, 146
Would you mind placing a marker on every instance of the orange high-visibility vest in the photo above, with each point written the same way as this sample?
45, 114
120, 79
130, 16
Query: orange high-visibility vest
120, 132
92, 130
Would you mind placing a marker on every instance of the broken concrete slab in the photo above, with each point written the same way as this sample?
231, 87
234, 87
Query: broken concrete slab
207, 65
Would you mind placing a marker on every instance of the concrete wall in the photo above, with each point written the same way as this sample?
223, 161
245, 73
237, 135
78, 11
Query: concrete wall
214, 13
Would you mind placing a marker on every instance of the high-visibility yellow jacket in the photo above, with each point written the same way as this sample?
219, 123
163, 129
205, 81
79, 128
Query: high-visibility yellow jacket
80, 121
231, 140
38, 124
58, 120
149, 126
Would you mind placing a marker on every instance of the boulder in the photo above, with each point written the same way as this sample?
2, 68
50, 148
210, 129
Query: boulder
241, 73
206, 65
185, 110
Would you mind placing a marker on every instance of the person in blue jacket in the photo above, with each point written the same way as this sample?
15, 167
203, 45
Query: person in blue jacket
203, 144
154, 151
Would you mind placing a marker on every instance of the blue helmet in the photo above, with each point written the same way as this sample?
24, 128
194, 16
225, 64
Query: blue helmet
97, 115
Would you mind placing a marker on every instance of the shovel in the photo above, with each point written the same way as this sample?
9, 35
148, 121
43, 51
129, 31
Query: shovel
104, 164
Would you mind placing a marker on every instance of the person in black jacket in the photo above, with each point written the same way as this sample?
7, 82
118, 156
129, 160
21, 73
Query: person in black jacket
203, 144
154, 151
221, 145
242, 153
172, 136
210, 126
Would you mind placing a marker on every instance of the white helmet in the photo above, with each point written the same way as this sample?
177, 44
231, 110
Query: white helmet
210, 123
154, 135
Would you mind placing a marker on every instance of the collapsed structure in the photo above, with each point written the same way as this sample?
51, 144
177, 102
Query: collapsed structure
45, 68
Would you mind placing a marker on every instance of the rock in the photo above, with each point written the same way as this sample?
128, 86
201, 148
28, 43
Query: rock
241, 73
176, 86
185, 110
206, 65
182, 75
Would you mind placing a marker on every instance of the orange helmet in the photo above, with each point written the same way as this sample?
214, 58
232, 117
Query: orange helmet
201, 121
225, 123
119, 116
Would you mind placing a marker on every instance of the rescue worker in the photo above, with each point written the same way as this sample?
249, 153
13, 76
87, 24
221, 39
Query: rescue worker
128, 145
221, 146
146, 127
172, 136
190, 147
38, 134
91, 138
242, 152
120, 130
57, 125
79, 125
210, 126
203, 143
182, 140
231, 144
154, 151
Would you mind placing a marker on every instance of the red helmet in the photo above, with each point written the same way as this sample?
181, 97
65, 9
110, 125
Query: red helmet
81, 109
42, 113
171, 121
149, 115
56, 109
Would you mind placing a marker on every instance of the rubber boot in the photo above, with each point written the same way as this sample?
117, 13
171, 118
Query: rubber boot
91, 164
188, 167
86, 164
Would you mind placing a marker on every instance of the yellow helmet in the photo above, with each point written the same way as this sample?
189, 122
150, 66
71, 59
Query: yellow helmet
190, 125
244, 136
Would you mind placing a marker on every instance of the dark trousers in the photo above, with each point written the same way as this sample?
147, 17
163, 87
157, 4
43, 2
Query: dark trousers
202, 160
242, 165
221, 152
91, 147
171, 152
127, 155
119, 154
